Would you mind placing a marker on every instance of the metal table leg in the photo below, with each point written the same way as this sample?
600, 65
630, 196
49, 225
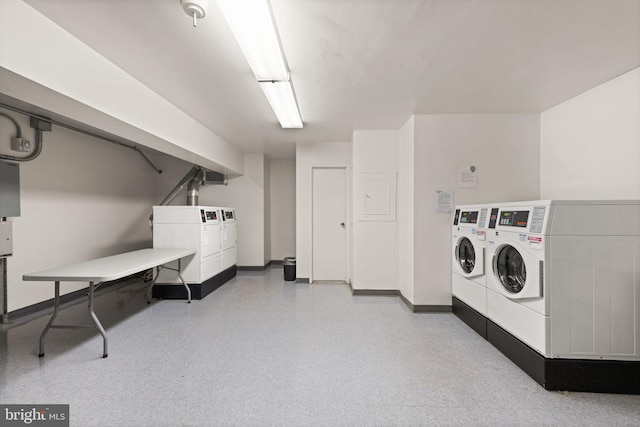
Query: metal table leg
183, 282
56, 308
155, 279
97, 322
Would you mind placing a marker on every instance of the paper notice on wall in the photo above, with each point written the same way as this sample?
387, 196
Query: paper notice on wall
467, 176
444, 201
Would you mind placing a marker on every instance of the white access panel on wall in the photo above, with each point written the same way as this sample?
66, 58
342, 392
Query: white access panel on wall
377, 194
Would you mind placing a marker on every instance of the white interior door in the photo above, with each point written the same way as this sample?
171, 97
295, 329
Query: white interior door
329, 201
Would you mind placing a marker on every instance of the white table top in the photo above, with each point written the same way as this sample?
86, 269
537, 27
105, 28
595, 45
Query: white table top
111, 267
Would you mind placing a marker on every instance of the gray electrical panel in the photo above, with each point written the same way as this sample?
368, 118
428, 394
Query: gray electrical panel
6, 239
9, 189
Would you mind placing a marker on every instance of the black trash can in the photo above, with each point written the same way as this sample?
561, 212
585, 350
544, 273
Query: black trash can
289, 265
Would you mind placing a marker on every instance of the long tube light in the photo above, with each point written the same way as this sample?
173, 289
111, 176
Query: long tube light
283, 101
253, 26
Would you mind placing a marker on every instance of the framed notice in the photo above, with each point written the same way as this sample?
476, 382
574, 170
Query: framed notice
467, 176
444, 201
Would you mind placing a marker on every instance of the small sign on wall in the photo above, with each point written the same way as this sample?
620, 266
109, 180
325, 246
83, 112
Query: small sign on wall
467, 176
444, 201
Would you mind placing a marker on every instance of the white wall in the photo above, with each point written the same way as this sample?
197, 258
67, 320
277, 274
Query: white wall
81, 198
46, 66
406, 189
374, 243
505, 150
307, 156
267, 212
283, 209
247, 195
590, 144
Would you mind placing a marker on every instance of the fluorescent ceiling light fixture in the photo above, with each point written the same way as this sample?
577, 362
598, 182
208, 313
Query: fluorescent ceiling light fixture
283, 102
253, 26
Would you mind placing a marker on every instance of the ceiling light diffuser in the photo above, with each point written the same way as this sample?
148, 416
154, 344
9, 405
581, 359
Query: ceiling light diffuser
283, 102
253, 26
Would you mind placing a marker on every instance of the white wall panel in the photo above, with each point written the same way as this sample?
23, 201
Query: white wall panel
505, 150
406, 184
81, 198
283, 209
590, 144
375, 242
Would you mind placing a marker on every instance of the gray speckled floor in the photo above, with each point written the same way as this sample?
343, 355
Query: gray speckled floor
262, 351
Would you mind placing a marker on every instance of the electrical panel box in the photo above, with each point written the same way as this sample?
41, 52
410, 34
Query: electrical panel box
6, 239
377, 196
9, 189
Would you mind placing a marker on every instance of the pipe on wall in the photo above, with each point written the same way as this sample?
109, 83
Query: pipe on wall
39, 125
44, 124
193, 189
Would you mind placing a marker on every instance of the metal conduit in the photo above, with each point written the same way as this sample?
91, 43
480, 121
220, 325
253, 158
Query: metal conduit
193, 172
38, 147
38, 142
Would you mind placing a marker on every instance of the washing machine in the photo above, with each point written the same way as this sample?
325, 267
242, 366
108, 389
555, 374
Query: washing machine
564, 277
468, 266
468, 254
229, 238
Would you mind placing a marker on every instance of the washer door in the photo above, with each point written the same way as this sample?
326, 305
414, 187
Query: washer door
466, 257
510, 268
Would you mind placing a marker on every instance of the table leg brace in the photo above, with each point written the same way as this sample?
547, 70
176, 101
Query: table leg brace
56, 309
160, 267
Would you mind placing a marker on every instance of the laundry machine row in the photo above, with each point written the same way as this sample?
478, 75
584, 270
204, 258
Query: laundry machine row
204, 229
563, 291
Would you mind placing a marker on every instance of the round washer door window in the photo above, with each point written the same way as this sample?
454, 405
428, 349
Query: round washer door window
466, 255
511, 269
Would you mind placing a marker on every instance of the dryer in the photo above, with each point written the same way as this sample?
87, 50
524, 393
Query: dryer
229, 238
201, 228
564, 277
193, 227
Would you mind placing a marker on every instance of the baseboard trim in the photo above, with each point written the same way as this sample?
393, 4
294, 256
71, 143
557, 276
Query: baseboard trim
64, 299
406, 301
254, 267
375, 292
276, 262
302, 280
424, 308
397, 293
432, 309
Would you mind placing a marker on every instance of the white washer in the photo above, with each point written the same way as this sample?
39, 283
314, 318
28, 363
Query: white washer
468, 279
229, 238
564, 277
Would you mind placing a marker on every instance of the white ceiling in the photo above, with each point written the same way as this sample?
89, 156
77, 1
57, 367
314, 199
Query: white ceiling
364, 64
